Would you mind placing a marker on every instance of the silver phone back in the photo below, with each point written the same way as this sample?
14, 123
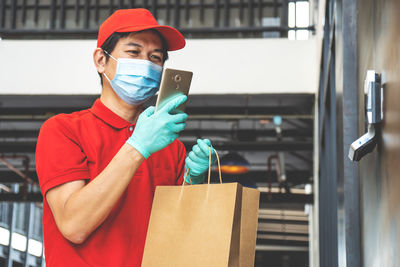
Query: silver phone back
173, 82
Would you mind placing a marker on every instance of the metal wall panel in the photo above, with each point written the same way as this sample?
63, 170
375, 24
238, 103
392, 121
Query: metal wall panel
379, 49
349, 241
339, 205
360, 198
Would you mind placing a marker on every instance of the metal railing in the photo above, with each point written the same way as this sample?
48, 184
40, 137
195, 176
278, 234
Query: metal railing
194, 18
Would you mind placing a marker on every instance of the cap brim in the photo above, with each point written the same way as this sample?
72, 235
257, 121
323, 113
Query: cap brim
173, 37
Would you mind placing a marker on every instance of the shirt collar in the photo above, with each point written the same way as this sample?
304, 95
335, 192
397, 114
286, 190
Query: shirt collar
106, 115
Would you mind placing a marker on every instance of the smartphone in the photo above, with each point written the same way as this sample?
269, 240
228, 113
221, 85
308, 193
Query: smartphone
173, 82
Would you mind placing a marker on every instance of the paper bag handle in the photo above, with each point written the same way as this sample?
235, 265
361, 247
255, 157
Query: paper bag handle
187, 173
209, 166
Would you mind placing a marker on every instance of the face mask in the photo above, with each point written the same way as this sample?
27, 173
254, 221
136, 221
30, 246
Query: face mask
135, 80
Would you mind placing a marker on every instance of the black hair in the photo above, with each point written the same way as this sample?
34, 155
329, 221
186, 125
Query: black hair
113, 39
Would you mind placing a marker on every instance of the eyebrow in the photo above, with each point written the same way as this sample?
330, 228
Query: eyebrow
133, 44
138, 45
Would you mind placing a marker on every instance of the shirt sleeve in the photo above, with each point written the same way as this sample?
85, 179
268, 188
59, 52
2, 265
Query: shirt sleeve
181, 163
59, 156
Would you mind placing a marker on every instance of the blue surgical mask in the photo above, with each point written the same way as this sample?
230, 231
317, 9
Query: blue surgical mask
135, 80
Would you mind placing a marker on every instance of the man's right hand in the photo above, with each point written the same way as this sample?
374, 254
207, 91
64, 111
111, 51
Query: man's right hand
155, 131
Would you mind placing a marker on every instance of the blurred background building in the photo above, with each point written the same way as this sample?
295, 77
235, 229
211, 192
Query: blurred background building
277, 87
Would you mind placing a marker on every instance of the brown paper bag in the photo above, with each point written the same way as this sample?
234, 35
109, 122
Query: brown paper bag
202, 225
248, 226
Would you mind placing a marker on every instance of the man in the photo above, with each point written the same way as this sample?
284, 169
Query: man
98, 168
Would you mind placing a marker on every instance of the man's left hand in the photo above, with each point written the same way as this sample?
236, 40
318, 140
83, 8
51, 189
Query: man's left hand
198, 161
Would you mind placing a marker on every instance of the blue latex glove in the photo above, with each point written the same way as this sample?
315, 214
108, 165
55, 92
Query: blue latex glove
198, 160
155, 131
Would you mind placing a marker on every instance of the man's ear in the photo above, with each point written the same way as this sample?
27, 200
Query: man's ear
99, 60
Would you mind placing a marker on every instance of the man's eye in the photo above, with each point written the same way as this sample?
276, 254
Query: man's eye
133, 52
156, 58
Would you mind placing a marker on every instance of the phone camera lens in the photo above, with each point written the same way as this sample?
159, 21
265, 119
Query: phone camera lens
177, 78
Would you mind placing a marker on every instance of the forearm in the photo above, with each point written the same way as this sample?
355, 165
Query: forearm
88, 207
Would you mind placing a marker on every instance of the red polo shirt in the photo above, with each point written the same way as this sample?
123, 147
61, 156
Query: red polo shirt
79, 146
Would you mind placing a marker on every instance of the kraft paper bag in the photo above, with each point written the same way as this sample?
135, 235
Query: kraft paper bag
202, 225
248, 227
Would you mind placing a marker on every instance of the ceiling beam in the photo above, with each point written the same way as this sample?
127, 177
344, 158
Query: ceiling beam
286, 198
240, 133
276, 198
263, 104
17, 197
252, 177
30, 146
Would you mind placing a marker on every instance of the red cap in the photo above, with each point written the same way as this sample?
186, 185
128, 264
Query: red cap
138, 19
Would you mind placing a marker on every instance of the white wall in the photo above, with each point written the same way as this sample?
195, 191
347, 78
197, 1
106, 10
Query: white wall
223, 66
